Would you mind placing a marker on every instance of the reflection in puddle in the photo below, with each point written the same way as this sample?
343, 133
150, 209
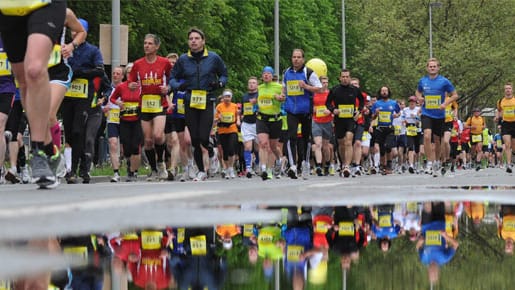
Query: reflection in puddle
459, 245
478, 187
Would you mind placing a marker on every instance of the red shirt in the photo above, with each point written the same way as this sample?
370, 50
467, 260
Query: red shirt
455, 136
151, 76
318, 106
152, 268
465, 136
130, 99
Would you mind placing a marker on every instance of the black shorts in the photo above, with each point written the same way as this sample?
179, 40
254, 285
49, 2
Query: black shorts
401, 141
174, 124
15, 30
508, 128
113, 130
358, 132
436, 125
273, 129
16, 122
150, 116
342, 126
454, 150
465, 147
131, 137
61, 74
447, 126
6, 102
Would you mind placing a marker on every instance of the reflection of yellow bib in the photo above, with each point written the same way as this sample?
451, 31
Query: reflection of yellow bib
320, 111
412, 207
180, 106
346, 111
55, 56
227, 117
77, 254
433, 102
411, 131
151, 104
293, 253
129, 236
5, 285
321, 227
248, 109
248, 230
180, 235
114, 116
151, 240
78, 89
385, 117
5, 66
198, 245
346, 229
265, 102
476, 138
294, 88
198, 99
385, 221
433, 238
21, 7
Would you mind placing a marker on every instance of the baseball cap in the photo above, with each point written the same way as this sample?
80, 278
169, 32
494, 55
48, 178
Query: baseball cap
268, 69
84, 24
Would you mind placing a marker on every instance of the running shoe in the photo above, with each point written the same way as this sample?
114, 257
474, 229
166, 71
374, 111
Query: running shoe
12, 177
305, 170
170, 175
411, 170
231, 174
201, 176
25, 175
42, 174
292, 172
318, 171
152, 176
57, 163
116, 177
264, 175
332, 170
346, 171
508, 169
161, 171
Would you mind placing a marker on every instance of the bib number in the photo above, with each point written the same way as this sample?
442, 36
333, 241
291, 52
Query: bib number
5, 66
476, 138
294, 88
198, 245
265, 102
77, 254
293, 253
346, 111
114, 116
411, 131
151, 240
385, 221
320, 111
151, 104
78, 89
346, 229
198, 99
385, 117
248, 109
433, 238
227, 117
433, 102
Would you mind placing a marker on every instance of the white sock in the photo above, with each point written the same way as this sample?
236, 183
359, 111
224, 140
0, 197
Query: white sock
68, 158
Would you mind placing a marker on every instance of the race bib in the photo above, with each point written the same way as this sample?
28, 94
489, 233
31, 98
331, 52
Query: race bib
180, 235
265, 102
346, 229
55, 56
151, 240
198, 99
448, 113
346, 111
385, 117
180, 106
293, 253
77, 255
397, 130
433, 238
248, 230
198, 245
433, 102
476, 138
320, 111
411, 131
227, 117
248, 109
114, 116
21, 7
321, 227
151, 104
509, 226
5, 66
266, 238
412, 207
509, 113
385, 221
78, 89
130, 109
499, 143
294, 88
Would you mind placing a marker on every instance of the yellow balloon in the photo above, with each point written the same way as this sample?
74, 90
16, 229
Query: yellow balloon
318, 66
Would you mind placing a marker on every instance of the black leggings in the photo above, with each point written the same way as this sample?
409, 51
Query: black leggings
200, 123
229, 143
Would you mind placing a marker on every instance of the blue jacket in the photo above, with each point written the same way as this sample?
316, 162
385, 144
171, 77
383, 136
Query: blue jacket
298, 102
198, 75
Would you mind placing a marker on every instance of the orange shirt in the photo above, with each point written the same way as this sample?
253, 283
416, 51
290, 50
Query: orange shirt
230, 230
507, 107
449, 111
227, 114
478, 123
507, 229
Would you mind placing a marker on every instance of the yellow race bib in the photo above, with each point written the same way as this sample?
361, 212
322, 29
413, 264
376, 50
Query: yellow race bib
78, 89
77, 254
151, 240
248, 230
476, 138
385, 221
265, 102
180, 106
346, 229
411, 131
55, 56
385, 117
21, 7
114, 115
248, 109
509, 113
294, 88
227, 117
346, 111
198, 99
321, 227
198, 245
433, 102
5, 66
151, 104
433, 238
293, 253
320, 111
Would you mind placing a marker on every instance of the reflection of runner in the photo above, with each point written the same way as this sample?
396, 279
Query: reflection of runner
7, 91
506, 227
28, 32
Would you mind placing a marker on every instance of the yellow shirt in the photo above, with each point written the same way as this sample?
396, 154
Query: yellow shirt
507, 108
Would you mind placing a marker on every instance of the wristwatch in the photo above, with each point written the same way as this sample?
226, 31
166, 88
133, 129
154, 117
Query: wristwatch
75, 45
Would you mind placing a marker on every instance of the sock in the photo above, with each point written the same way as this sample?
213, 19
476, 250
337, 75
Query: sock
247, 155
160, 149
68, 158
55, 131
151, 156
37, 146
377, 158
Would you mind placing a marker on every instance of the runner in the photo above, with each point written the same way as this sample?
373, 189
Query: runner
506, 111
248, 125
227, 119
476, 124
113, 125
